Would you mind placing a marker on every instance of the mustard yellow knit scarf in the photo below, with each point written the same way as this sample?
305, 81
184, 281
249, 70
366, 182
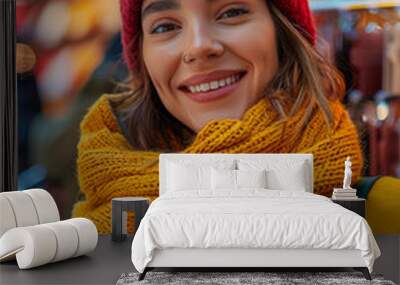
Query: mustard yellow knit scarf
108, 166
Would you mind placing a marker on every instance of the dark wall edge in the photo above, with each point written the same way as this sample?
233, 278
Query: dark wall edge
8, 98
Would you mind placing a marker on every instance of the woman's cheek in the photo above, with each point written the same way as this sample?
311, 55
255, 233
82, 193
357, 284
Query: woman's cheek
160, 70
261, 54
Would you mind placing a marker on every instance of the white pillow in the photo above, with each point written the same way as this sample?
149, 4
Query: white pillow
223, 179
181, 178
236, 179
251, 178
281, 174
220, 163
189, 174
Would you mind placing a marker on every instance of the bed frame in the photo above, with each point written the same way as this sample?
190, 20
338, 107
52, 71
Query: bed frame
247, 259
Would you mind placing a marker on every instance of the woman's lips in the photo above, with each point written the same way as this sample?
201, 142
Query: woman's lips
212, 95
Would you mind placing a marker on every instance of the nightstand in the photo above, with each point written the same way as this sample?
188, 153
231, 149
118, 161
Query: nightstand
120, 206
357, 205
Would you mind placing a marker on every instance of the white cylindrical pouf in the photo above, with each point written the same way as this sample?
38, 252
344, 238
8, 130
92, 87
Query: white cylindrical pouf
23, 208
33, 246
87, 234
7, 218
45, 205
67, 239
40, 244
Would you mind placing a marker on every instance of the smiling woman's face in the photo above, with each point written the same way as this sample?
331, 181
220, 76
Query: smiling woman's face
208, 59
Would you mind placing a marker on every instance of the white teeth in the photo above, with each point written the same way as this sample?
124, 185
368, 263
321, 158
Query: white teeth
204, 87
214, 85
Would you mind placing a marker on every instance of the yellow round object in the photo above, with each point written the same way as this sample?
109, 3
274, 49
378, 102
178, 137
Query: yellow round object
383, 206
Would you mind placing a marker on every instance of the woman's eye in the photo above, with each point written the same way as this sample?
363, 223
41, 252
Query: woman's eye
163, 28
234, 12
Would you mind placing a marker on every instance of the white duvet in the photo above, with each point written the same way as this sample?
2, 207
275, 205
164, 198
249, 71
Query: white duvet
252, 218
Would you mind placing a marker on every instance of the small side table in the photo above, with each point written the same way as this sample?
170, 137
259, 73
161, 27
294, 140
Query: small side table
357, 205
120, 207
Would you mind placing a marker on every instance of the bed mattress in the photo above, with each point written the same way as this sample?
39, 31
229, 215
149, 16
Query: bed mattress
251, 219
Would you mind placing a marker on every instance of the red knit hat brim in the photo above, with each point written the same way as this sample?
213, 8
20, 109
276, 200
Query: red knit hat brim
297, 12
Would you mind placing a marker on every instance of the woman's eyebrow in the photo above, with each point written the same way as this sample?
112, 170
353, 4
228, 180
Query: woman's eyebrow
160, 5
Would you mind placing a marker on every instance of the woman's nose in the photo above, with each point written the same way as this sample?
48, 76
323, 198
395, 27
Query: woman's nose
202, 45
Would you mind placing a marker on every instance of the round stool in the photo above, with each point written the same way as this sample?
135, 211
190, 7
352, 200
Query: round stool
120, 206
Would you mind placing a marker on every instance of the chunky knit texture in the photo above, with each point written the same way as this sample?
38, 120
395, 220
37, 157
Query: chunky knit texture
297, 11
108, 166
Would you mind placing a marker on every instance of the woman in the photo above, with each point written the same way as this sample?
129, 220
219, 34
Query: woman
214, 76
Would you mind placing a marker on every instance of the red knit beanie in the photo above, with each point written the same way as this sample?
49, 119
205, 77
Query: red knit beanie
297, 11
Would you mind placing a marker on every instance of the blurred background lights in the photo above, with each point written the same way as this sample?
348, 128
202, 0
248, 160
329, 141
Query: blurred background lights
382, 110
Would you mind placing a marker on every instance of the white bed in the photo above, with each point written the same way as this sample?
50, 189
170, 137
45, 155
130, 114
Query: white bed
280, 225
